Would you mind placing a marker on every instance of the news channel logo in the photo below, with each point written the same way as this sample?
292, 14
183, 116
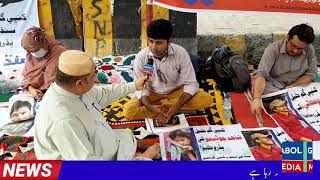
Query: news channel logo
297, 157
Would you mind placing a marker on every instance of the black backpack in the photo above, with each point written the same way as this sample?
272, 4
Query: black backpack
228, 69
197, 66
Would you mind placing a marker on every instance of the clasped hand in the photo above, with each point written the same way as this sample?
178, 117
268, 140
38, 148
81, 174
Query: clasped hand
164, 111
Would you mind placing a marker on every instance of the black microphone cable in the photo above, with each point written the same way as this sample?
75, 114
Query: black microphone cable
145, 115
149, 62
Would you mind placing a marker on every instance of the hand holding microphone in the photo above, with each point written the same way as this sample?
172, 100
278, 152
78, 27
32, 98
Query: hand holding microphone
140, 83
148, 68
147, 71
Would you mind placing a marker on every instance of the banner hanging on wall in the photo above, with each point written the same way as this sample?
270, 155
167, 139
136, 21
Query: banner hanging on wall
16, 16
287, 6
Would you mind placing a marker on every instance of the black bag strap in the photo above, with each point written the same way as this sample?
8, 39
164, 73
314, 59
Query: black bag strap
227, 67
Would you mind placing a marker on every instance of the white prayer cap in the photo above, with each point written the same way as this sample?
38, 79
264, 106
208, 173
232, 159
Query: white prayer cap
75, 63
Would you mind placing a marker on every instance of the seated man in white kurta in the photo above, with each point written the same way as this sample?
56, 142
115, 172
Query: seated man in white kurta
69, 124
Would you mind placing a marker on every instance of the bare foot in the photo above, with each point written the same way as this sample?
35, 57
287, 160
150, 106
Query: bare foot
153, 152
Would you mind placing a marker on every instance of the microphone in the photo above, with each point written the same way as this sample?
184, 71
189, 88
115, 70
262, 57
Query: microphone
148, 68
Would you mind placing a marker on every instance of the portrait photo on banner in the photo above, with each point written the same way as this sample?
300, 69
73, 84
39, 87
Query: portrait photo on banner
22, 107
296, 111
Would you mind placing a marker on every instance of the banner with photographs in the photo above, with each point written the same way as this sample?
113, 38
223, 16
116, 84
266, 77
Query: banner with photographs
17, 117
216, 142
296, 111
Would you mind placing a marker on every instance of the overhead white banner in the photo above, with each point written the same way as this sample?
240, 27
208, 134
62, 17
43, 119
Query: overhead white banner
16, 16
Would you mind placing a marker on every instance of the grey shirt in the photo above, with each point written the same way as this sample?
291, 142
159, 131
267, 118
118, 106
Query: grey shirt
171, 72
280, 69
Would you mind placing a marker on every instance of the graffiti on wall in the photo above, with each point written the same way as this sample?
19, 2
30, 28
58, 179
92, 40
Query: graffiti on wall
97, 27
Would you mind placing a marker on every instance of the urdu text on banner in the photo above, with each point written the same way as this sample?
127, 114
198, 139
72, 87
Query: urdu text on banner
287, 6
16, 16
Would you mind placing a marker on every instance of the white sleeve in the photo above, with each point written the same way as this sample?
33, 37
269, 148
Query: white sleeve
188, 75
107, 94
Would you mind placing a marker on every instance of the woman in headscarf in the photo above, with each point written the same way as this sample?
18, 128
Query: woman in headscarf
42, 57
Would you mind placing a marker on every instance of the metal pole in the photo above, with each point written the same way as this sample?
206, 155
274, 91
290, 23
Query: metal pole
149, 12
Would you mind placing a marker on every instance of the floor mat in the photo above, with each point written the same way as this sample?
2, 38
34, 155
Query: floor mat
16, 148
214, 114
